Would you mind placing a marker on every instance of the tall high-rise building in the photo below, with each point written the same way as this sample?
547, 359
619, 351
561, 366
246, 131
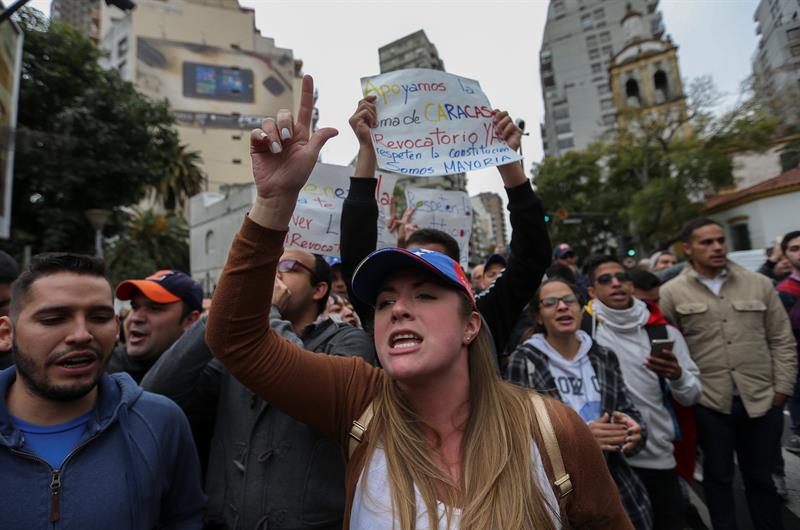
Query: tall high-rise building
411, 51
776, 62
493, 205
580, 39
219, 74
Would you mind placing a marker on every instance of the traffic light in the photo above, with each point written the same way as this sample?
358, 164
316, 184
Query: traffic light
547, 217
631, 252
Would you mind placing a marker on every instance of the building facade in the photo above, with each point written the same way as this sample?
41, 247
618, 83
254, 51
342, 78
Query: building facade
776, 61
219, 74
90, 17
493, 204
645, 78
412, 51
580, 39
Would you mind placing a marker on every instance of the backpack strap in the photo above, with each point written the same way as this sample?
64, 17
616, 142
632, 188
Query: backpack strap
358, 429
562, 479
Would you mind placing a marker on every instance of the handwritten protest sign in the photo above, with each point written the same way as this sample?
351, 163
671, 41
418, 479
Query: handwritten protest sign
448, 211
315, 224
432, 123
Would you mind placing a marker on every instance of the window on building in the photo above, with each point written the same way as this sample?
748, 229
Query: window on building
566, 143
603, 89
597, 68
563, 127
599, 13
632, 97
605, 37
606, 104
600, 24
607, 50
594, 54
558, 7
591, 41
546, 56
793, 34
586, 21
661, 86
609, 119
560, 113
122, 46
210, 242
740, 237
549, 81
122, 68
795, 50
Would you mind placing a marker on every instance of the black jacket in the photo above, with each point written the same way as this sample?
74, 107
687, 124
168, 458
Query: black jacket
265, 469
501, 304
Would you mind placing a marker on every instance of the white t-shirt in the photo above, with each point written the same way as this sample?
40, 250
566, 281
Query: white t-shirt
372, 509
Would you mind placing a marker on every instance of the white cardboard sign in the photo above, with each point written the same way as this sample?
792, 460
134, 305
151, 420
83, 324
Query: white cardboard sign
448, 211
432, 123
315, 224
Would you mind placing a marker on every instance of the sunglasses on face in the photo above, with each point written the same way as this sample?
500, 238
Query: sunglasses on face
552, 301
605, 279
293, 265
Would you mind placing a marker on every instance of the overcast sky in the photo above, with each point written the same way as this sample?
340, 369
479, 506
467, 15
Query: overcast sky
496, 42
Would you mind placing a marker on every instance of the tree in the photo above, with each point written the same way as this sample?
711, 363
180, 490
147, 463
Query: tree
148, 242
650, 176
85, 139
183, 179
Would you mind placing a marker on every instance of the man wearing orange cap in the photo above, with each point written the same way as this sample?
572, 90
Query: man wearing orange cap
163, 306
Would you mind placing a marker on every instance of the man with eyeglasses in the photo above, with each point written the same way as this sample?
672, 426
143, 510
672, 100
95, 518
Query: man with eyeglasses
739, 336
265, 469
652, 371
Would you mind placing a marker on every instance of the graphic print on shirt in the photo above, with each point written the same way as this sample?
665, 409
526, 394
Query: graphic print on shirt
574, 386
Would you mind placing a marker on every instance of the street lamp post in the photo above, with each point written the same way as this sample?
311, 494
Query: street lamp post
98, 219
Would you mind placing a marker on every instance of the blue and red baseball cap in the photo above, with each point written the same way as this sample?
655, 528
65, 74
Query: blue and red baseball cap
165, 287
372, 271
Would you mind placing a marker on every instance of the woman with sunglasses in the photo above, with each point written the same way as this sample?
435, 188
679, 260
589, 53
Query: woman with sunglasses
449, 445
563, 362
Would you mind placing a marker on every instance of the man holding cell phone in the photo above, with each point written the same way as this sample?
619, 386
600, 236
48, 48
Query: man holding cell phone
655, 364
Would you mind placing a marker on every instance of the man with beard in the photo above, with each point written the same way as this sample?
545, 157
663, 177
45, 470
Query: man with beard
740, 338
80, 448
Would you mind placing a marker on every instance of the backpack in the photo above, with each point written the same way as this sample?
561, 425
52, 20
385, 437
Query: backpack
562, 482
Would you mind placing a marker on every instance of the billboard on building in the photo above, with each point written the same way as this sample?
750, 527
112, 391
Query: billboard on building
215, 87
10, 67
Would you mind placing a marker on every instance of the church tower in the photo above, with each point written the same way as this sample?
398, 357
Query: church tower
645, 77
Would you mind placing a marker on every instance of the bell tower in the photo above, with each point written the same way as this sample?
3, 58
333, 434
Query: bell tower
644, 75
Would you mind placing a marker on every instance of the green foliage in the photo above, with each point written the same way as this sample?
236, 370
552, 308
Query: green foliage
85, 139
642, 183
184, 177
148, 242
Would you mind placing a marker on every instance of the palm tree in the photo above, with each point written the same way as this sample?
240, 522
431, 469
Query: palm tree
183, 178
150, 241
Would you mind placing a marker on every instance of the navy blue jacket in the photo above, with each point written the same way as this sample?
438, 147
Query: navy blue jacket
135, 467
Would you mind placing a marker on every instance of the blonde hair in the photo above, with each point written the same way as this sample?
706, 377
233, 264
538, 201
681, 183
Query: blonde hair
498, 489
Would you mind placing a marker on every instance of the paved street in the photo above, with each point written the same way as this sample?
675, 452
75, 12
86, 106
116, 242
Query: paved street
791, 510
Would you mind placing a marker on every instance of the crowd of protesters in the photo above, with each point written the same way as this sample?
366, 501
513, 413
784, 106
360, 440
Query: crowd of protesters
387, 389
